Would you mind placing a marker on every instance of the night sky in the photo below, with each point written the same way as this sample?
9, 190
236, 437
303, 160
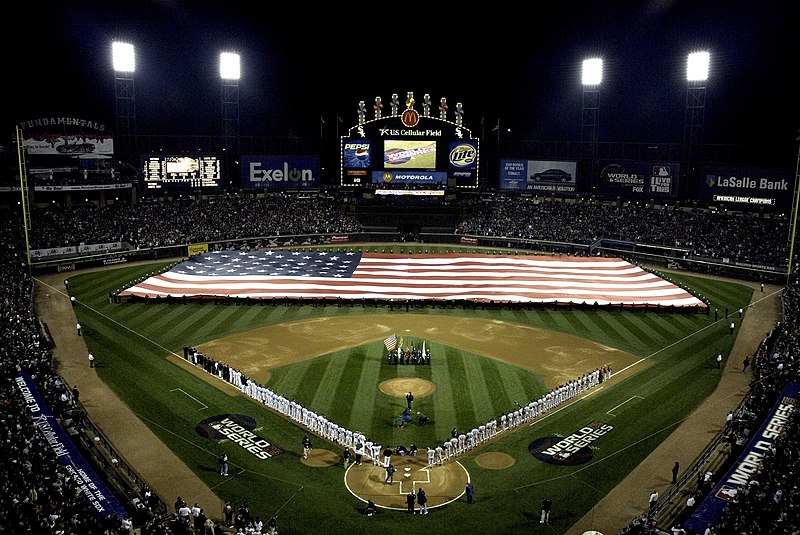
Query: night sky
522, 67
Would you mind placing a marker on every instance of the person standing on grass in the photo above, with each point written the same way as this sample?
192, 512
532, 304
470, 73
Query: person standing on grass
346, 457
547, 504
470, 491
306, 446
78, 327
719, 360
223, 464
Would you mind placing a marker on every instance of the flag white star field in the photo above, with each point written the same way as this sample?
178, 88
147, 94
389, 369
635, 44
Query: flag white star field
268, 274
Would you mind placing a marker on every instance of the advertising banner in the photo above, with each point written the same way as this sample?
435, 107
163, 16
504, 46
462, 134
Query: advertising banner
409, 177
92, 488
540, 176
66, 136
747, 185
280, 172
637, 179
462, 162
749, 462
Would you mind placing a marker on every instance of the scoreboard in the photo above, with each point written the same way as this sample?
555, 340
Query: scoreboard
409, 150
181, 171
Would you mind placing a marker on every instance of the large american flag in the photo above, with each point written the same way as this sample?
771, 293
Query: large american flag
267, 274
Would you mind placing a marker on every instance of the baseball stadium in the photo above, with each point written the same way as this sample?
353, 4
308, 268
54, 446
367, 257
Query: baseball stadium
406, 325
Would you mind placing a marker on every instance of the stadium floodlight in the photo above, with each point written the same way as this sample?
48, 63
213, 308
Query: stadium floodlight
229, 66
697, 67
123, 57
592, 73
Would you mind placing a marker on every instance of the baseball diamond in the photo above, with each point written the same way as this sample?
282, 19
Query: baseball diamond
335, 358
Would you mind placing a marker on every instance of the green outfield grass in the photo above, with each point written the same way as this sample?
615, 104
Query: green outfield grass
132, 340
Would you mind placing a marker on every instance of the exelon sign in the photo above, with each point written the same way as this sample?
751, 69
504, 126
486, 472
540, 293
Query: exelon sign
280, 171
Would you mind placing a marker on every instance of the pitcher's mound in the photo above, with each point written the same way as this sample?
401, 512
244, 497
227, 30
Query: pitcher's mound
319, 458
400, 386
494, 460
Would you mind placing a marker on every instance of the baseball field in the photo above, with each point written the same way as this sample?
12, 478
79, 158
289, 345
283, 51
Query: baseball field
332, 360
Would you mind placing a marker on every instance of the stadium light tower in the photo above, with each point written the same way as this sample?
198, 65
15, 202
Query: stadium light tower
694, 123
591, 78
230, 72
123, 60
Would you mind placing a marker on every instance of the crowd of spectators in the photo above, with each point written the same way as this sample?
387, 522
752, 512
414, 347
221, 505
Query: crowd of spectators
182, 221
703, 232
37, 494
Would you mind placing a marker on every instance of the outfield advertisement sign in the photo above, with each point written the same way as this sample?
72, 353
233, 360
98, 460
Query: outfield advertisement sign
747, 186
539, 176
637, 179
409, 177
749, 462
92, 488
280, 172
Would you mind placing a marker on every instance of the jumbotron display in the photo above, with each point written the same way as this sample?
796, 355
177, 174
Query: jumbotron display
405, 149
181, 171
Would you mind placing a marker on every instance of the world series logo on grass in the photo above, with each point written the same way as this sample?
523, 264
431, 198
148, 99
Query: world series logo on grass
238, 428
570, 450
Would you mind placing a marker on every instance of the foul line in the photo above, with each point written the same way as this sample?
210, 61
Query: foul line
112, 320
204, 406
621, 404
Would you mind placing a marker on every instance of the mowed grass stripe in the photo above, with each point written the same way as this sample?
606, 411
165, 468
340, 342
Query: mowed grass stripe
477, 389
331, 369
677, 324
635, 330
195, 325
463, 405
604, 329
366, 380
445, 409
579, 322
291, 381
346, 391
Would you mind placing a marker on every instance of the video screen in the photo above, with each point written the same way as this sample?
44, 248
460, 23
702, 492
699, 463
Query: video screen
181, 171
409, 154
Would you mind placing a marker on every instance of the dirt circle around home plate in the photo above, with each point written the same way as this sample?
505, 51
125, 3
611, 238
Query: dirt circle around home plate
400, 386
495, 460
443, 483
